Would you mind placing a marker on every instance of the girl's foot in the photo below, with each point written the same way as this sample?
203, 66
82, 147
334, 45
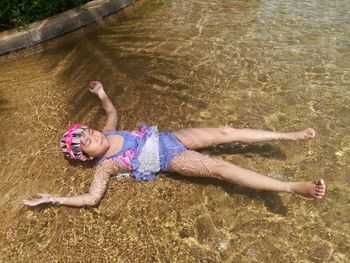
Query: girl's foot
316, 189
303, 135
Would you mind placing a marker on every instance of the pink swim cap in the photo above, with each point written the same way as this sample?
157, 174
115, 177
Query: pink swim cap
70, 142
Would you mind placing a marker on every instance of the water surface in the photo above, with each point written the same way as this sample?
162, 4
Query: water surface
276, 65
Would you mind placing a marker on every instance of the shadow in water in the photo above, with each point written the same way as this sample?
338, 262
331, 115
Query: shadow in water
265, 150
82, 63
4, 106
3, 102
78, 163
272, 200
119, 72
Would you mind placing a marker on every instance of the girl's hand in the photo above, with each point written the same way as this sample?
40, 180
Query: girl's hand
96, 87
44, 198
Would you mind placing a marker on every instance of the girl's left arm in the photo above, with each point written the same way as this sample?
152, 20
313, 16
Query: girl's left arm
111, 113
98, 187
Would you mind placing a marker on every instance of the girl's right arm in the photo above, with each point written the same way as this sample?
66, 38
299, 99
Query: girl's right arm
98, 187
112, 115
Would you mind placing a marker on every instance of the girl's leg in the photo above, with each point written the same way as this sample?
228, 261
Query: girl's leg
191, 163
196, 138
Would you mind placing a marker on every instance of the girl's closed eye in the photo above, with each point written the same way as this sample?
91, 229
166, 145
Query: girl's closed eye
85, 141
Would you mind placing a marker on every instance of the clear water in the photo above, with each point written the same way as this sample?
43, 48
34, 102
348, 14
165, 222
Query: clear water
277, 65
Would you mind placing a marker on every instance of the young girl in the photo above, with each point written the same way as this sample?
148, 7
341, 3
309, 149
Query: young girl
147, 151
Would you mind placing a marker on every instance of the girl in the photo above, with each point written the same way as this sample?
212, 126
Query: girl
147, 151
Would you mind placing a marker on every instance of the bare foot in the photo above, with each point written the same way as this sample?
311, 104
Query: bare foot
303, 135
316, 189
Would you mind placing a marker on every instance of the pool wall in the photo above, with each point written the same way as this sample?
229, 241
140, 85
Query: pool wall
37, 32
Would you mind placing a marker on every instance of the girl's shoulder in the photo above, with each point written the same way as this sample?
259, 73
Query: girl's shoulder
112, 132
109, 166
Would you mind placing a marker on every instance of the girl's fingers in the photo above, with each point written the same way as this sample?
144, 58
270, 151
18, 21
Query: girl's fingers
29, 202
33, 202
93, 82
94, 85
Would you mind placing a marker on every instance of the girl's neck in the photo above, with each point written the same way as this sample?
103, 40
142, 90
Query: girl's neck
115, 145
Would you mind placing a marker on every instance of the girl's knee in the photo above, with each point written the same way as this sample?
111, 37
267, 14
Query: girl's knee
219, 169
226, 131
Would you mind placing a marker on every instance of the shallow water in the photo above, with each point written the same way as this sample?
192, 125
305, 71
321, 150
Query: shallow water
276, 65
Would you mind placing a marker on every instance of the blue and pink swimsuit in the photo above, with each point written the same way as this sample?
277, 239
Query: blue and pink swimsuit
146, 151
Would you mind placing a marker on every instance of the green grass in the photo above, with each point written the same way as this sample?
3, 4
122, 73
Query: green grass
18, 13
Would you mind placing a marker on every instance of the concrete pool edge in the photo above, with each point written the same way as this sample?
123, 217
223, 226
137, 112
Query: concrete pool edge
60, 24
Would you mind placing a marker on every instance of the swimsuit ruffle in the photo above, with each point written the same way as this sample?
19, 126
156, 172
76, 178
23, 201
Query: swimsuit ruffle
145, 168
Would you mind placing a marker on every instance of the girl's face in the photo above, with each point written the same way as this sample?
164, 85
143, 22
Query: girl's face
94, 143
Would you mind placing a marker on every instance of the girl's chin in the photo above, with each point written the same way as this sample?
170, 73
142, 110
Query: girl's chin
105, 150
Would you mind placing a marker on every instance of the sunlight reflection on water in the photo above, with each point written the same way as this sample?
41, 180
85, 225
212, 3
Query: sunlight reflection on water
277, 65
